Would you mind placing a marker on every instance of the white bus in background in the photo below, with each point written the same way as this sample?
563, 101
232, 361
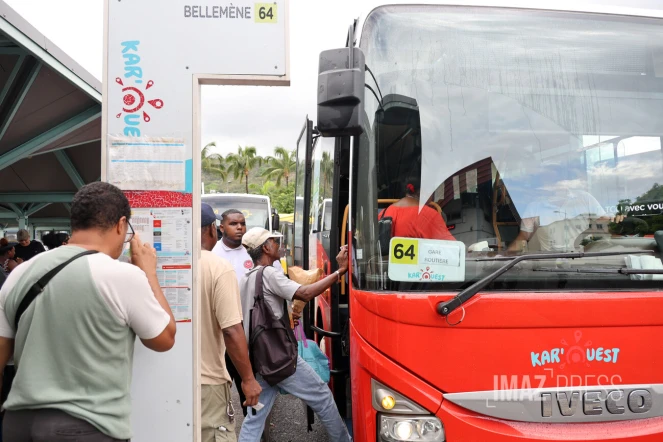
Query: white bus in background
257, 209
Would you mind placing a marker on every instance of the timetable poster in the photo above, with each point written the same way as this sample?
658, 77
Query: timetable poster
172, 238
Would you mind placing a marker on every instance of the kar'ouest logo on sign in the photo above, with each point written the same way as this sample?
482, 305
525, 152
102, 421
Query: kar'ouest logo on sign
134, 91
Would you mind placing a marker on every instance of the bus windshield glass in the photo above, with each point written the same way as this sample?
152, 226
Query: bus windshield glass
499, 132
255, 210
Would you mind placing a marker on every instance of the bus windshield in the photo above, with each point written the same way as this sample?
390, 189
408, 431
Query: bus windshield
507, 132
255, 210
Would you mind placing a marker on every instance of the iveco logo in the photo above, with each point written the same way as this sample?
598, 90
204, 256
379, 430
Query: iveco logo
597, 402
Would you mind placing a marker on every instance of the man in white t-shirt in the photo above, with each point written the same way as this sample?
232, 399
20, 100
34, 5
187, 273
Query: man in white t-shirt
233, 228
74, 344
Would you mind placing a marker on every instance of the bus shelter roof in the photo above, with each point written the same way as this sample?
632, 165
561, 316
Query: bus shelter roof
50, 126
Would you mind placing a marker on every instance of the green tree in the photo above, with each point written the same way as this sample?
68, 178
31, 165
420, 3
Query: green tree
327, 172
212, 163
653, 194
281, 165
241, 163
265, 189
283, 198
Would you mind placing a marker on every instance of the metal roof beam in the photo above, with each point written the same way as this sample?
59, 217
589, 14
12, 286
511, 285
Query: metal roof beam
36, 197
17, 210
36, 208
9, 50
51, 135
69, 167
18, 101
9, 84
68, 146
49, 221
68, 207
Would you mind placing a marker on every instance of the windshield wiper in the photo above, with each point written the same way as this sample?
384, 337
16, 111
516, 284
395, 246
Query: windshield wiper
622, 270
446, 308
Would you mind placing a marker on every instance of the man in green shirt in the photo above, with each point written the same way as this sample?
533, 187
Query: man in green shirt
74, 344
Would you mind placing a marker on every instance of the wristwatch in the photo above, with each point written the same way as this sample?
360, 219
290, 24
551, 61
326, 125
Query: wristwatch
338, 276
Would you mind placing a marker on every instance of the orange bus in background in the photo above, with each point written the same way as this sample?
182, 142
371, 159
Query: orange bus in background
535, 135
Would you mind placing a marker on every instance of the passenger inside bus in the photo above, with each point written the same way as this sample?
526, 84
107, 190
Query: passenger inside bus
410, 222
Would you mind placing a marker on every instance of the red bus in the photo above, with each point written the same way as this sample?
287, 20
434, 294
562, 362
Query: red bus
533, 139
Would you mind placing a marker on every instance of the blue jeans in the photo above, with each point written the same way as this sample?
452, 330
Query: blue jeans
307, 386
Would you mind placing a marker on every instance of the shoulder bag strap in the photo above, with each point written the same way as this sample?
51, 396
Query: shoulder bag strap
38, 286
259, 284
257, 295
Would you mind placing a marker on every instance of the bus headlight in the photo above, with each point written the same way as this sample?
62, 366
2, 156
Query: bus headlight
404, 428
386, 399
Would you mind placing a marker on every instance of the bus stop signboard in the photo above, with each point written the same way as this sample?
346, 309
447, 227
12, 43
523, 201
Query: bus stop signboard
156, 57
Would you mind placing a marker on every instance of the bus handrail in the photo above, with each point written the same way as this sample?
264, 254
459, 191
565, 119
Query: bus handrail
325, 333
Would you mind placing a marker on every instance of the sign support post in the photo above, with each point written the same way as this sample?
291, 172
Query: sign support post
157, 55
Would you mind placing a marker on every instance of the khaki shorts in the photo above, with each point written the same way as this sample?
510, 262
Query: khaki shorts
216, 425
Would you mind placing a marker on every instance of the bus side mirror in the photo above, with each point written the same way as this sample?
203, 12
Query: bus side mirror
276, 221
341, 92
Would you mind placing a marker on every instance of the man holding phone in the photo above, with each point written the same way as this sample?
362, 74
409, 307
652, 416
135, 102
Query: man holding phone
74, 343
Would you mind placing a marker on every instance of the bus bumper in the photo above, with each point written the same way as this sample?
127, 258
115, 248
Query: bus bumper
460, 424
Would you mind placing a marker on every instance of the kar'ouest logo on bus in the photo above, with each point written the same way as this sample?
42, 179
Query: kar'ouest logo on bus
134, 92
578, 352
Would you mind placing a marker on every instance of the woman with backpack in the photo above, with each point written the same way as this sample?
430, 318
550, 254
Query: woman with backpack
265, 294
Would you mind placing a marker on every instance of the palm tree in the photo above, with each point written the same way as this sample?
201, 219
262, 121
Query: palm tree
212, 163
281, 165
327, 172
265, 189
241, 163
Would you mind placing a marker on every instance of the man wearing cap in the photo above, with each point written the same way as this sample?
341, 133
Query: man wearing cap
221, 330
263, 247
233, 228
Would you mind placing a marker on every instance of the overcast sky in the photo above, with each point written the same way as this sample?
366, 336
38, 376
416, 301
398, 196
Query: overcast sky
232, 115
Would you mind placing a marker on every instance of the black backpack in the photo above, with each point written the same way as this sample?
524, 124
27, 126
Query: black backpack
272, 343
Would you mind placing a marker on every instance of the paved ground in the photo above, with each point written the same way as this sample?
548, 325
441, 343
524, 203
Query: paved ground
288, 421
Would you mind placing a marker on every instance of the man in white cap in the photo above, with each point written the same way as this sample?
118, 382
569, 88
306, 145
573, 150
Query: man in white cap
263, 247
233, 228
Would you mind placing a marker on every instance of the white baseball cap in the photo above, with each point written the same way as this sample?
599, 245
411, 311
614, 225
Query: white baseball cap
257, 236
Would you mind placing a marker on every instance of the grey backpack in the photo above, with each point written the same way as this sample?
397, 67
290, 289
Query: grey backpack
272, 343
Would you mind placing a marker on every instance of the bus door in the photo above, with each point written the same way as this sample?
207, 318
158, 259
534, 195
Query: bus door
329, 198
301, 219
321, 196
